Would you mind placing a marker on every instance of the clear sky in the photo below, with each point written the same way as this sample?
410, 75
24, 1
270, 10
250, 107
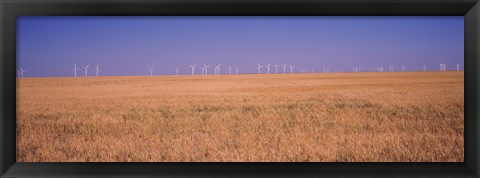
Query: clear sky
48, 46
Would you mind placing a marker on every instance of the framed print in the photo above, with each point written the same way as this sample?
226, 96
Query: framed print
239, 88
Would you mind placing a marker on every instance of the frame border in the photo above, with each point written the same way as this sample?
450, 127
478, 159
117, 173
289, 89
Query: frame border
10, 9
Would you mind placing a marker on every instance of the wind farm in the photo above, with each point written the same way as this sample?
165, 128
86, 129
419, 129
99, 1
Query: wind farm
266, 71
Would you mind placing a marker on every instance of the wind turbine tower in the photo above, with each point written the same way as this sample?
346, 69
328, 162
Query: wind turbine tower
268, 68
217, 69
424, 68
75, 68
259, 67
276, 68
236, 70
176, 70
291, 69
97, 70
20, 72
458, 67
206, 68
193, 69
284, 68
151, 71
229, 70
86, 70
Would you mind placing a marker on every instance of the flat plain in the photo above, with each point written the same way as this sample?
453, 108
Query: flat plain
322, 117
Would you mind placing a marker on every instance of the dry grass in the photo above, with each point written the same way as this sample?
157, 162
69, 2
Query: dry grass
351, 117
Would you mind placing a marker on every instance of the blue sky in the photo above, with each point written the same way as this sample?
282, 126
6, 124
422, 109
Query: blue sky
122, 46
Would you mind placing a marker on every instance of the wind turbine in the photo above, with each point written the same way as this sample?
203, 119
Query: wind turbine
424, 68
75, 68
236, 70
97, 70
268, 68
151, 71
291, 68
276, 68
86, 70
217, 69
230, 70
193, 69
403, 68
458, 67
443, 67
284, 68
259, 67
20, 72
176, 70
206, 68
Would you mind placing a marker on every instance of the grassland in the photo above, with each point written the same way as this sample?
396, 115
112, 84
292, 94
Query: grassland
334, 117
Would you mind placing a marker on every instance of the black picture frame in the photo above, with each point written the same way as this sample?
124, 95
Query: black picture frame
10, 9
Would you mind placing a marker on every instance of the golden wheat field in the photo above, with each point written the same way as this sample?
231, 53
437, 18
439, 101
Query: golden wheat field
325, 117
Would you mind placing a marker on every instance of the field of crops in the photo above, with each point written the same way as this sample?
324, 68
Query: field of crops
324, 117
